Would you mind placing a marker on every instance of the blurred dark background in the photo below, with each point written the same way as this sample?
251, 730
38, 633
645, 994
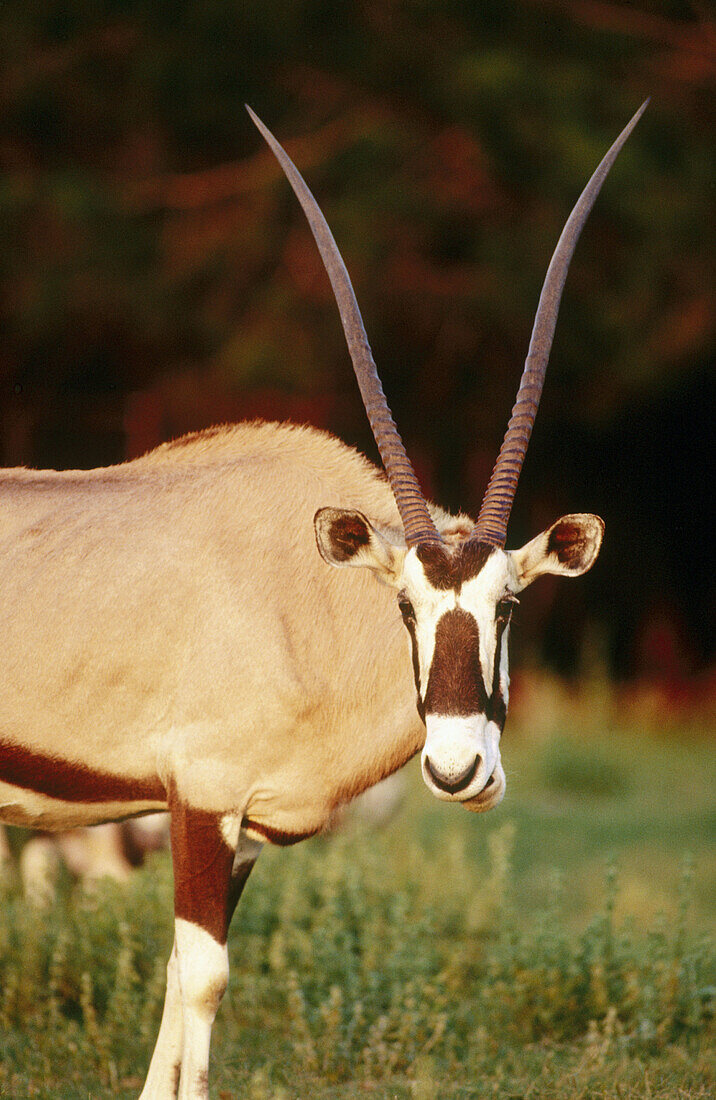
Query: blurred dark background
158, 275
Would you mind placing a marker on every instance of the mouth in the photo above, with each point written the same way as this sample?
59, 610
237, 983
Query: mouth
460, 761
477, 801
454, 788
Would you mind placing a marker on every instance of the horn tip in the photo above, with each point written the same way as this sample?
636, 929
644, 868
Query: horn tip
260, 126
632, 123
641, 110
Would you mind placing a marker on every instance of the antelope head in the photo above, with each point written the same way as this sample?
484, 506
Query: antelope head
456, 594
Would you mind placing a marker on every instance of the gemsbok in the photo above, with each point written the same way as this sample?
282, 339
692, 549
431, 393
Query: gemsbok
201, 630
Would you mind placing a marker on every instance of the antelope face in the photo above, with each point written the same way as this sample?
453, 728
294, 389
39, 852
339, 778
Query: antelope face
457, 602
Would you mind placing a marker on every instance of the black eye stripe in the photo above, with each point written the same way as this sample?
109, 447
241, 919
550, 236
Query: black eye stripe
408, 613
497, 707
410, 624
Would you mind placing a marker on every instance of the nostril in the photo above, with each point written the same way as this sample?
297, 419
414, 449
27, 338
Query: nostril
455, 783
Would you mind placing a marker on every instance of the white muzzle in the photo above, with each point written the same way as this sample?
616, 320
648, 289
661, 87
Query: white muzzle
461, 760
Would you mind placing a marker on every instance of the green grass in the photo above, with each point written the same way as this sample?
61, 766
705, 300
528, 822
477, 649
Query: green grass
558, 947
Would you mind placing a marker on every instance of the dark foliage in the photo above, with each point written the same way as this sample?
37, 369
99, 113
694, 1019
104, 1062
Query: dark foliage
149, 246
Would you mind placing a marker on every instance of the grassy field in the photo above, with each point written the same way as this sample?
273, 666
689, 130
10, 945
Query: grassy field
558, 947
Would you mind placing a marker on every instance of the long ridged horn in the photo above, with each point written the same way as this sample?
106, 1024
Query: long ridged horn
417, 521
491, 526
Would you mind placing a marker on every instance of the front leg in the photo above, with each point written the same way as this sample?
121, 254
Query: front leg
163, 1076
212, 861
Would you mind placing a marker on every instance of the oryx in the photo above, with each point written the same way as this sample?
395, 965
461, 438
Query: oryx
200, 630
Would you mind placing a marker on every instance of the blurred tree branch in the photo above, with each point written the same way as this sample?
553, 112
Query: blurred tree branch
224, 182
50, 61
694, 42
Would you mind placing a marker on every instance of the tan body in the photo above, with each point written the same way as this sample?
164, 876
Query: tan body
172, 618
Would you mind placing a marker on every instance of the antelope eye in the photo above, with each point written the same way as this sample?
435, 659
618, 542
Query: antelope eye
406, 608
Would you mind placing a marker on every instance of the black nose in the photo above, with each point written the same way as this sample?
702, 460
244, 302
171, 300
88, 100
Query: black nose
455, 783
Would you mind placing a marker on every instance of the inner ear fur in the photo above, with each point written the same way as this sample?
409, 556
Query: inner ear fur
346, 537
569, 548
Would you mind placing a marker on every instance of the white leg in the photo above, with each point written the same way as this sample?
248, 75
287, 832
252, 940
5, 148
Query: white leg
163, 1077
203, 976
210, 871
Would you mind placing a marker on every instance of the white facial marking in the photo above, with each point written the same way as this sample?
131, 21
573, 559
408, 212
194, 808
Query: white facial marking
430, 605
505, 667
455, 745
480, 596
463, 749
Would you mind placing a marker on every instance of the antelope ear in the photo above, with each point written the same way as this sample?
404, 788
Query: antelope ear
347, 538
569, 547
